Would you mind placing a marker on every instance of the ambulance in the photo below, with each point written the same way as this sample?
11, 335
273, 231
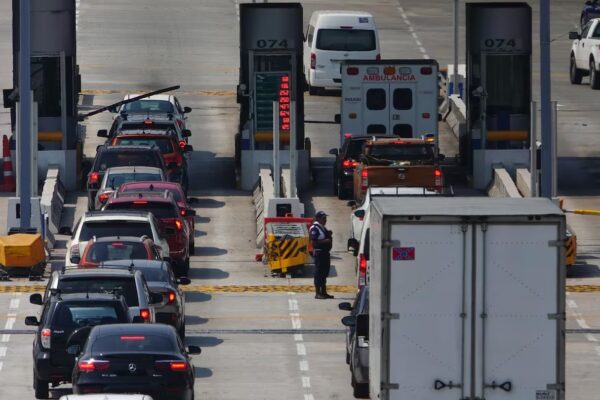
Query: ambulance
397, 97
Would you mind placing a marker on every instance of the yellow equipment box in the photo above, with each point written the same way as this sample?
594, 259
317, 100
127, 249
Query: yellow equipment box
286, 245
23, 251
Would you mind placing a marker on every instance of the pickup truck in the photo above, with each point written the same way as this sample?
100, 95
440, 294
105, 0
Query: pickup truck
585, 54
397, 162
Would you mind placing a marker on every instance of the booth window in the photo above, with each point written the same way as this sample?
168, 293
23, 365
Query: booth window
45, 83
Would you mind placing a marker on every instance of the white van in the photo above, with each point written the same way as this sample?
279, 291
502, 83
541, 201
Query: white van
334, 36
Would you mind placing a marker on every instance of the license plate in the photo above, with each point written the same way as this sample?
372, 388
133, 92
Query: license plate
401, 176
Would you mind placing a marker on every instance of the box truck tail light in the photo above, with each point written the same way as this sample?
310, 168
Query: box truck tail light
378, 57
426, 70
364, 184
313, 61
438, 177
352, 71
362, 270
426, 115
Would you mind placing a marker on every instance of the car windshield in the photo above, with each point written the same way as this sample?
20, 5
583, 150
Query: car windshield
346, 39
74, 315
154, 274
108, 159
159, 209
173, 191
100, 284
114, 180
162, 142
117, 250
156, 106
400, 151
134, 343
111, 227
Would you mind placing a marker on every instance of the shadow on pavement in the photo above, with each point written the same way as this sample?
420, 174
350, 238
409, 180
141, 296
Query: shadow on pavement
210, 251
581, 270
203, 341
578, 176
200, 372
197, 297
207, 273
202, 220
209, 203
309, 271
195, 320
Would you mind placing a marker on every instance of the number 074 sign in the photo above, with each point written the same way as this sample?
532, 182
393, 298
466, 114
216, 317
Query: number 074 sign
502, 44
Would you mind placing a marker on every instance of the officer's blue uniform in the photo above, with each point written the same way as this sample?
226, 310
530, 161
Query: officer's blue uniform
321, 256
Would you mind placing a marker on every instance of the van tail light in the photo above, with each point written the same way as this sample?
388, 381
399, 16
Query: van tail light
362, 270
438, 177
171, 365
92, 365
94, 177
364, 183
313, 61
145, 314
426, 115
352, 71
45, 337
426, 70
378, 57
171, 297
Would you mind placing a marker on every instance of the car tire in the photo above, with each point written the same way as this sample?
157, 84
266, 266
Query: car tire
594, 77
347, 357
360, 390
192, 247
181, 331
575, 74
40, 387
185, 267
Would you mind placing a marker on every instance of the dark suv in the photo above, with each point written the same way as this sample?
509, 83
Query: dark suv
346, 158
66, 320
120, 156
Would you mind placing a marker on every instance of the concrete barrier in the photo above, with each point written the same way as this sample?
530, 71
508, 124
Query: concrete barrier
502, 185
456, 116
52, 202
285, 182
524, 182
261, 195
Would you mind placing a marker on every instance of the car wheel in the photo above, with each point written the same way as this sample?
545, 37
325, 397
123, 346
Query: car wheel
40, 387
186, 266
347, 357
574, 73
361, 390
594, 78
181, 331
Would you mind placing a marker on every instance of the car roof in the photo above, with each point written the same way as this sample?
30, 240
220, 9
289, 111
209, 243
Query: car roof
84, 272
116, 215
375, 135
105, 396
383, 142
128, 147
84, 297
128, 197
132, 168
158, 186
165, 97
167, 134
158, 264
121, 239
132, 329
345, 13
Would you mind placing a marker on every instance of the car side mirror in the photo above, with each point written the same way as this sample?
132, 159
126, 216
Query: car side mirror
36, 298
337, 118
137, 320
574, 35
184, 280
362, 325
349, 320
186, 133
31, 321
345, 306
65, 230
187, 110
103, 133
333, 152
74, 349
156, 298
190, 213
359, 213
188, 148
351, 203
194, 350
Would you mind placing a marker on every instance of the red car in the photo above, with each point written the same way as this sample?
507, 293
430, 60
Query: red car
113, 248
175, 189
173, 224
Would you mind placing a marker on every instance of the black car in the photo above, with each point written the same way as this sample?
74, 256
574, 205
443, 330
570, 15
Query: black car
346, 158
120, 156
357, 342
135, 358
67, 318
161, 279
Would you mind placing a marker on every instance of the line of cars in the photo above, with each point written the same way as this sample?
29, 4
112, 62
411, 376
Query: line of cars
113, 319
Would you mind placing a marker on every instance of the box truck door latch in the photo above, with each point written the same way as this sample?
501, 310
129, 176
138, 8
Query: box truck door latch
439, 385
390, 386
506, 386
557, 243
389, 243
387, 316
559, 316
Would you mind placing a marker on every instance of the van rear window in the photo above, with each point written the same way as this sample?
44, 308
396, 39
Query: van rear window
346, 40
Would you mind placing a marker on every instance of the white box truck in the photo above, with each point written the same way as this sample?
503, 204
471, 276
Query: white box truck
397, 97
467, 299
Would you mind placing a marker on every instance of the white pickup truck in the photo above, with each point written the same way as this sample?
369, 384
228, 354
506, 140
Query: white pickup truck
585, 54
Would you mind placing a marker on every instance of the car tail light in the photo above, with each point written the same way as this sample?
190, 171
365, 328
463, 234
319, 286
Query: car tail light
349, 163
362, 270
138, 337
438, 177
140, 202
45, 337
178, 225
378, 57
168, 365
148, 122
352, 71
182, 144
171, 297
364, 184
347, 135
94, 177
182, 212
145, 314
87, 366
313, 61
103, 197
426, 70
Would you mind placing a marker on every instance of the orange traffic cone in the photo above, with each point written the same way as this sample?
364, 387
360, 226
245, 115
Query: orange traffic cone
8, 182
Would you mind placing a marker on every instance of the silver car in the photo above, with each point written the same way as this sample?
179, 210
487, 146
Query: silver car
115, 177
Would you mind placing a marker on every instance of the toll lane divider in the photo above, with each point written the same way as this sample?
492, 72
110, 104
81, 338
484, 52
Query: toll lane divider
455, 115
263, 288
503, 185
262, 193
52, 202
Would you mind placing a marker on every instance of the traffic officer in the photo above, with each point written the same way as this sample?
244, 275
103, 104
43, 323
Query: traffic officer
321, 242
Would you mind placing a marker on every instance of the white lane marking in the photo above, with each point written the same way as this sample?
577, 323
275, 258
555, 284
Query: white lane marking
5, 338
296, 324
1, 365
413, 33
10, 322
309, 397
571, 303
14, 304
305, 381
597, 348
303, 365
3, 351
293, 303
301, 349
590, 337
582, 323
298, 337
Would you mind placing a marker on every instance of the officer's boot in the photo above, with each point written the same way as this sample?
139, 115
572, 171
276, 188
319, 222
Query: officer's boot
319, 292
324, 293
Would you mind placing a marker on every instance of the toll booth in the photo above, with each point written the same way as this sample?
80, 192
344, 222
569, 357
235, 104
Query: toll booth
55, 83
271, 45
498, 93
